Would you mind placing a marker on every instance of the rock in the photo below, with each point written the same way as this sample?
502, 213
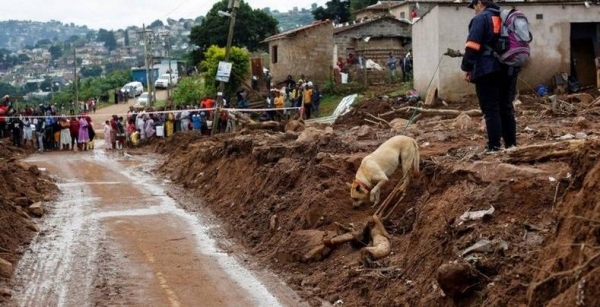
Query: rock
22, 213
398, 125
273, 222
294, 126
463, 122
566, 137
6, 268
486, 246
582, 98
476, 215
36, 209
32, 226
581, 136
581, 122
456, 279
311, 134
365, 132
5, 293
321, 156
22, 201
34, 170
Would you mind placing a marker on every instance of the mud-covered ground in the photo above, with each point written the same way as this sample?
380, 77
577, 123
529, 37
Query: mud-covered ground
20, 187
280, 193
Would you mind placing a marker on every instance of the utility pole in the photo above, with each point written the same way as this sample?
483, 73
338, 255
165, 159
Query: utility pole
167, 37
147, 63
233, 5
76, 83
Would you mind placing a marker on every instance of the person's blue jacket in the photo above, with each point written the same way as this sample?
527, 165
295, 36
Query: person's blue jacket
484, 30
197, 121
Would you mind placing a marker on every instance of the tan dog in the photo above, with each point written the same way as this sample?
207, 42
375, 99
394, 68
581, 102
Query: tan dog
375, 168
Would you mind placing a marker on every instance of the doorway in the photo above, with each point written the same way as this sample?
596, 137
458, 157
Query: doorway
584, 51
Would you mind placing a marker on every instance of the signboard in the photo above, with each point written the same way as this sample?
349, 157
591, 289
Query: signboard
223, 71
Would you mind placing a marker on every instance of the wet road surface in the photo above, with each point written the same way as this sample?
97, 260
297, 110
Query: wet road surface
115, 238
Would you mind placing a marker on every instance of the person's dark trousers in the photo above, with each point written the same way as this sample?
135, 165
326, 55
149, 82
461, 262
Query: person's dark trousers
49, 140
16, 138
307, 109
73, 141
496, 93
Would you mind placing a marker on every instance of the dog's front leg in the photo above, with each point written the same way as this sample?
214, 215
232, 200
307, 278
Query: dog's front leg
376, 191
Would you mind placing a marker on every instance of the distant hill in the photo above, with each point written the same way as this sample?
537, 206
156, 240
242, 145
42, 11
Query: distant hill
16, 34
292, 19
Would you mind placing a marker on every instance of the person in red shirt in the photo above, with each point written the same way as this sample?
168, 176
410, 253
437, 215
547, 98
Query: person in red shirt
74, 129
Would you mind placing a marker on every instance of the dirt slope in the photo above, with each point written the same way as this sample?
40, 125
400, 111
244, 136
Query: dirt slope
280, 194
20, 187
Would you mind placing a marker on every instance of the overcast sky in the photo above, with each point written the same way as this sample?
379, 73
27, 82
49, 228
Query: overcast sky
115, 14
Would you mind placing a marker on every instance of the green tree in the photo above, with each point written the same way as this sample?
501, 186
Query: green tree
356, 5
7, 89
252, 26
335, 10
240, 70
189, 91
91, 71
55, 52
155, 24
108, 37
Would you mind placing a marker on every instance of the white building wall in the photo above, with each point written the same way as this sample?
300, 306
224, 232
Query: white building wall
446, 26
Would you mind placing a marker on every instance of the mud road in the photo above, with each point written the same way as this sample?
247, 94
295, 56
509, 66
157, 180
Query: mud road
115, 238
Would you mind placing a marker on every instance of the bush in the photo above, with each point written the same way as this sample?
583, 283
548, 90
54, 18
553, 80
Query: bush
240, 70
330, 88
189, 91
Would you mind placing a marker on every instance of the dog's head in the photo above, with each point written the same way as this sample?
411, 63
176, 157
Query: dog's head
359, 193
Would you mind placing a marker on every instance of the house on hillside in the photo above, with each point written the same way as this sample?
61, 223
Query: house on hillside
306, 50
566, 38
381, 8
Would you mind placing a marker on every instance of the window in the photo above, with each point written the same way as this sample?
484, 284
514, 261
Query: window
402, 15
274, 54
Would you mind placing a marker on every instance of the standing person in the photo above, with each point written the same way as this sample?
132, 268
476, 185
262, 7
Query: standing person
268, 79
316, 100
170, 124
121, 133
40, 126
391, 63
495, 82
16, 125
83, 138
74, 130
406, 67
307, 100
114, 128
107, 136
28, 131
65, 133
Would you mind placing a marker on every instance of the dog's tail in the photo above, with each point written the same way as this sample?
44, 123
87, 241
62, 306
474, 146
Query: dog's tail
416, 159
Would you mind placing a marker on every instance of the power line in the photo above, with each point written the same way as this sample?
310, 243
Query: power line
175, 9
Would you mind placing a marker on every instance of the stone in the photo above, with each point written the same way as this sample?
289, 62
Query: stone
294, 126
34, 170
398, 125
582, 98
36, 209
22, 213
32, 226
581, 122
456, 279
6, 268
463, 122
5, 293
365, 132
311, 134
581, 136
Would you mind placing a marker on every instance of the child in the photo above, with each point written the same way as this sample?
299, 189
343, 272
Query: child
107, 136
135, 137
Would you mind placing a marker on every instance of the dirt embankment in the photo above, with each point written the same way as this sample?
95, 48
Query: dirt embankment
20, 187
281, 193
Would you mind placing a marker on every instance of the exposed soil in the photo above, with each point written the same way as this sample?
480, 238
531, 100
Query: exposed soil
20, 187
280, 194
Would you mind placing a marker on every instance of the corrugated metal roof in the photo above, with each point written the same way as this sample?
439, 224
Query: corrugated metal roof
293, 32
357, 24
